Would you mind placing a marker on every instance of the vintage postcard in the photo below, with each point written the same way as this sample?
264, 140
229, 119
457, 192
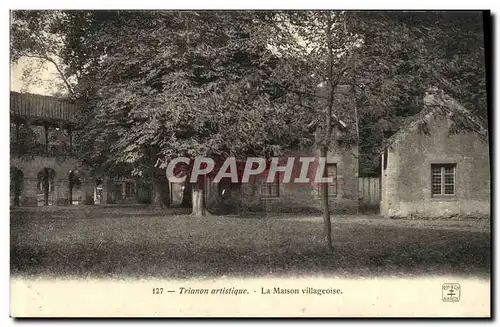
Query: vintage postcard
168, 163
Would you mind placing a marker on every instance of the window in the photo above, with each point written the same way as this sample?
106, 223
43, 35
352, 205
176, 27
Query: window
270, 190
443, 179
129, 189
331, 170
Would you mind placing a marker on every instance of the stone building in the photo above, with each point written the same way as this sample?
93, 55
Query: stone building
46, 172
432, 167
341, 165
43, 168
278, 196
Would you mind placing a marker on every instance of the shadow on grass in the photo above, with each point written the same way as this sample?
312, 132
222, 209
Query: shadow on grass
92, 212
184, 260
138, 242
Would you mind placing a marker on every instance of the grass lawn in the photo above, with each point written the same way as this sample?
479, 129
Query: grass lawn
140, 242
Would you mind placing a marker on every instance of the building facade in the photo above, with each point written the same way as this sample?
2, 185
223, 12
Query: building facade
431, 169
341, 167
280, 195
43, 168
45, 171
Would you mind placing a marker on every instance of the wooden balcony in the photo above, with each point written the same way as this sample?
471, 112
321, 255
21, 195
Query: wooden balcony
36, 108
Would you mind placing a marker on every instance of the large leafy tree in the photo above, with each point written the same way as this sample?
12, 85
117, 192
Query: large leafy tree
398, 56
318, 46
156, 85
189, 84
403, 55
388, 60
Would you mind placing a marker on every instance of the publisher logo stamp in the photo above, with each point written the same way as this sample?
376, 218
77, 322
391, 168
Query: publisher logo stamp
451, 292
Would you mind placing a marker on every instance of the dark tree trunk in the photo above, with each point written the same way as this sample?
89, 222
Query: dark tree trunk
327, 140
327, 229
161, 190
187, 200
157, 196
167, 199
70, 191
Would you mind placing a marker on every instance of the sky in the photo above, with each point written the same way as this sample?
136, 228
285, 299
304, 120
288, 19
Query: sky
39, 83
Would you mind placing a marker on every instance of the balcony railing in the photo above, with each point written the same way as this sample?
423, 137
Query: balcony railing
40, 149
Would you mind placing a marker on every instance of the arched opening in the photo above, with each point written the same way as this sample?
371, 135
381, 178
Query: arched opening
45, 189
16, 186
75, 187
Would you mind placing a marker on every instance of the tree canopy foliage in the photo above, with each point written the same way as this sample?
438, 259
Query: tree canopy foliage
403, 55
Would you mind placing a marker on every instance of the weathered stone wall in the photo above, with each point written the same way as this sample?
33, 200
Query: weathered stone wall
305, 196
406, 179
30, 166
44, 124
31, 196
